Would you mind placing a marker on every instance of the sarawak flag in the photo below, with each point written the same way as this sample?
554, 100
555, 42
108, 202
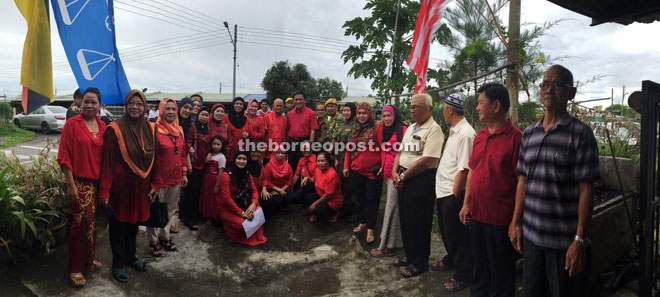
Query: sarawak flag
37, 65
428, 22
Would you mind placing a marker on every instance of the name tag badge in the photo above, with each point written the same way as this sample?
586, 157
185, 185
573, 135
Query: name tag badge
418, 145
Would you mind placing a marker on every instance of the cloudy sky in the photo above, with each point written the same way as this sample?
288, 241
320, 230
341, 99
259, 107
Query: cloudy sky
174, 54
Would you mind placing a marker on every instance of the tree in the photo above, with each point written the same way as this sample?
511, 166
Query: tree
282, 80
328, 88
370, 59
6, 112
627, 111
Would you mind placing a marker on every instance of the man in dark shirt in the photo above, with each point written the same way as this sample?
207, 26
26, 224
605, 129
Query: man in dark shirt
558, 164
74, 109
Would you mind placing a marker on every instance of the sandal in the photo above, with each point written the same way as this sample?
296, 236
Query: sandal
400, 261
94, 266
174, 229
139, 265
77, 280
168, 245
360, 228
379, 253
410, 271
454, 286
120, 274
440, 265
155, 250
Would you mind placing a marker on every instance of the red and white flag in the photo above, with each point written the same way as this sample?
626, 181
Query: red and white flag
428, 22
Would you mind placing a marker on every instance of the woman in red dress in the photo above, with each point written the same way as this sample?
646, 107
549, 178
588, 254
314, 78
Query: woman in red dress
239, 201
79, 155
128, 156
239, 126
217, 124
365, 170
210, 194
199, 142
326, 202
169, 172
278, 182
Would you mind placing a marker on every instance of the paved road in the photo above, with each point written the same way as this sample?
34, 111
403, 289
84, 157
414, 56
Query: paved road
33, 147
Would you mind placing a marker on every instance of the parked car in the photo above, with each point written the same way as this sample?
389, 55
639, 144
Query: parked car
47, 118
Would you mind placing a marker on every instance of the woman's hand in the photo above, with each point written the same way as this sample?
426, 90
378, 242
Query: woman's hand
208, 158
191, 150
72, 191
265, 195
281, 192
152, 195
345, 172
245, 134
184, 181
312, 206
303, 182
380, 171
216, 189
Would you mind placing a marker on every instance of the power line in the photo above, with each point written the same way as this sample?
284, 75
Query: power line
308, 35
176, 11
288, 46
171, 52
195, 11
160, 19
325, 44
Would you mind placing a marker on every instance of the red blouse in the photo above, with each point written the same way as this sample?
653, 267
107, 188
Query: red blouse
275, 129
328, 183
221, 129
79, 151
258, 128
362, 161
203, 147
306, 166
235, 136
274, 177
228, 192
259, 180
170, 163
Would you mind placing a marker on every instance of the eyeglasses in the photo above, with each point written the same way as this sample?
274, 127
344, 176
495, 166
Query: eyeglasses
555, 85
197, 104
417, 107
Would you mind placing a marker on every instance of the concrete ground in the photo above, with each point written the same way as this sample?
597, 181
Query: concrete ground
299, 259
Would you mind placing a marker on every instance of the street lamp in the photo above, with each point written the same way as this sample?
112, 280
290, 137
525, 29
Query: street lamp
233, 41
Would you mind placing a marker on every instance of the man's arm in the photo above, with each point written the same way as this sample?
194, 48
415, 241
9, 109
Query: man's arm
459, 182
515, 229
419, 166
465, 210
312, 135
575, 256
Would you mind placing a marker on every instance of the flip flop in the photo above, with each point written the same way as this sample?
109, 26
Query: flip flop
155, 250
440, 266
379, 253
120, 274
139, 265
454, 285
174, 229
400, 261
409, 271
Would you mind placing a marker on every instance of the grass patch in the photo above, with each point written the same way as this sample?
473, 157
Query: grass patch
10, 135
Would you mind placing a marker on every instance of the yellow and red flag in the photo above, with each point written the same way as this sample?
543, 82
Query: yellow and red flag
37, 65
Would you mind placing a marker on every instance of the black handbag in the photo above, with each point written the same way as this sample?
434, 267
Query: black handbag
158, 216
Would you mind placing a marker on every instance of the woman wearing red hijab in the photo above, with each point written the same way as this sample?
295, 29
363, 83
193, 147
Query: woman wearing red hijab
169, 172
365, 168
79, 155
128, 156
199, 139
278, 180
217, 124
258, 123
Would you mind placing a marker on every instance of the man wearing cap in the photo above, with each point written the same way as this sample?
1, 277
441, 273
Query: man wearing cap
288, 105
450, 182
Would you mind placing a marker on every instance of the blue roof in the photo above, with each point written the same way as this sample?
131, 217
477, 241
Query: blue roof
259, 97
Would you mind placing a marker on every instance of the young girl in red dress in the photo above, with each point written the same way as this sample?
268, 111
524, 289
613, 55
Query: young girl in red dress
215, 165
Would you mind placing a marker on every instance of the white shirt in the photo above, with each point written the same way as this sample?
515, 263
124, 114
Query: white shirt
428, 144
220, 158
153, 114
455, 157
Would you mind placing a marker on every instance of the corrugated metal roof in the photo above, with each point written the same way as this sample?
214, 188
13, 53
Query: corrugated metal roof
617, 11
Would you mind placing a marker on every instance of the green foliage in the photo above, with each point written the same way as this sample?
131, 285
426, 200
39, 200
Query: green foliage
627, 111
528, 113
10, 135
6, 112
282, 80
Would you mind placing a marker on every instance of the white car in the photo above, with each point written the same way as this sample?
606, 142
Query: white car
46, 118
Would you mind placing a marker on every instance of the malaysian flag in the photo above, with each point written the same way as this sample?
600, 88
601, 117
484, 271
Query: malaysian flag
428, 22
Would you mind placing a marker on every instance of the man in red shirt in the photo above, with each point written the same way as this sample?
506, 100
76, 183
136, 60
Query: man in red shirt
275, 127
490, 195
301, 124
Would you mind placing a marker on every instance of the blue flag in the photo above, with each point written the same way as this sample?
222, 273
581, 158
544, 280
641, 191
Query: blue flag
86, 29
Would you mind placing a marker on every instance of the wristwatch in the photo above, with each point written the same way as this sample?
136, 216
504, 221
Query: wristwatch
584, 241
402, 176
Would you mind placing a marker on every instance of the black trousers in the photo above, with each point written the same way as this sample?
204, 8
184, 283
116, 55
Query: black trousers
349, 206
416, 201
368, 192
323, 210
456, 237
273, 204
189, 210
494, 261
294, 154
544, 274
122, 242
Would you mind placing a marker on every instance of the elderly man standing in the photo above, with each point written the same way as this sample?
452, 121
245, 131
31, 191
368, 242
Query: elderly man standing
301, 124
558, 164
490, 195
413, 171
275, 127
449, 190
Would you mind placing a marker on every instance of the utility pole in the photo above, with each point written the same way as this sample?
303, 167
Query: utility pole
514, 56
234, 40
612, 96
4, 97
623, 97
220, 89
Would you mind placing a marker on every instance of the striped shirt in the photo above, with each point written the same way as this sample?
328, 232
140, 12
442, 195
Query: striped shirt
555, 162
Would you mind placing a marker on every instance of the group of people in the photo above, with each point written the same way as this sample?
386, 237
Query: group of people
498, 191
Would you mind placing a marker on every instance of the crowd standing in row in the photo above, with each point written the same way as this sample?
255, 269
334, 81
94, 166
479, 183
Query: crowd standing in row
497, 191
